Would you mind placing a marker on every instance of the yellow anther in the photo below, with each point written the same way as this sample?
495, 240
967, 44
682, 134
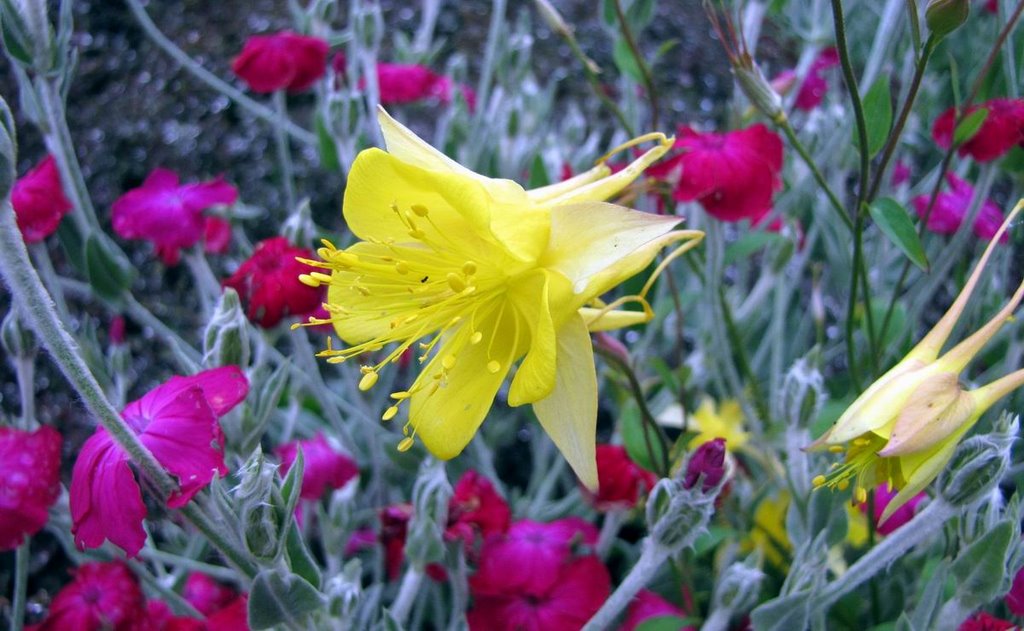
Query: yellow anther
405, 444
328, 245
860, 494
362, 290
818, 481
402, 267
321, 277
416, 233
419, 209
861, 442
843, 485
448, 361
455, 282
401, 395
389, 413
368, 381
469, 268
476, 337
308, 280
493, 367
336, 360
836, 449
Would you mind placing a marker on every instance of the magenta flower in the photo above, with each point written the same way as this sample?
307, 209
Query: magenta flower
167, 213
177, 422
324, 469
39, 201
205, 594
281, 61
815, 85
29, 482
1003, 128
983, 621
647, 605
101, 596
528, 556
216, 235
951, 208
903, 514
733, 175
621, 481
268, 283
476, 508
1015, 598
900, 173
573, 592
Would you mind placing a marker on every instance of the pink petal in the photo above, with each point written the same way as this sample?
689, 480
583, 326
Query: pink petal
29, 481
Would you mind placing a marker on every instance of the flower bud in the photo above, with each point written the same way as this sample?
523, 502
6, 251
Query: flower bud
945, 16
708, 464
17, 339
552, 18
298, 227
226, 339
344, 591
760, 92
978, 464
430, 496
259, 518
676, 515
739, 588
803, 392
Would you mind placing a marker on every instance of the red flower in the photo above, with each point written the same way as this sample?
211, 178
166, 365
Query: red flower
159, 617
1015, 598
234, 617
394, 526
39, 201
205, 594
708, 460
282, 61
268, 283
733, 175
167, 213
646, 605
177, 422
574, 593
884, 495
102, 596
1003, 128
476, 507
29, 482
620, 480
527, 558
815, 85
324, 469
951, 208
216, 235
982, 621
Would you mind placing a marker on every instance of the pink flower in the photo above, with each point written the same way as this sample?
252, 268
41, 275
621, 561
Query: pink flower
1003, 128
574, 592
116, 332
324, 469
394, 526
884, 495
268, 283
900, 173
992, 6
406, 83
708, 460
177, 422
101, 596
813, 90
646, 605
476, 508
233, 617
29, 482
39, 201
620, 480
167, 213
982, 621
361, 539
733, 175
1015, 598
216, 235
282, 61
951, 208
205, 594
528, 556
159, 617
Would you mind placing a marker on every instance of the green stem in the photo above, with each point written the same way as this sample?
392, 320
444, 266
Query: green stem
742, 361
284, 154
256, 109
20, 585
858, 107
61, 146
851, 304
791, 136
645, 71
595, 84
37, 305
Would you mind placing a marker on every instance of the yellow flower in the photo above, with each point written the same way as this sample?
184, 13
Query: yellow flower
768, 533
725, 421
904, 428
487, 274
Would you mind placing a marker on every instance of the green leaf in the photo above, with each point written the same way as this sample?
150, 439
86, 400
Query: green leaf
300, 560
784, 613
662, 623
748, 244
326, 146
277, 597
639, 14
632, 428
14, 33
538, 173
710, 539
969, 126
894, 221
625, 61
877, 115
980, 568
107, 273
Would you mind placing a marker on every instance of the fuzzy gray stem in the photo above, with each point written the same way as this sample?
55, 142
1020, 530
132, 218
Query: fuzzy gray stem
284, 153
650, 561
20, 585
407, 592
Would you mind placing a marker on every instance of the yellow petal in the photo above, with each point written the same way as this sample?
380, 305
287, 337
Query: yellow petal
597, 245
552, 191
569, 413
611, 320
934, 411
919, 471
446, 418
535, 377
